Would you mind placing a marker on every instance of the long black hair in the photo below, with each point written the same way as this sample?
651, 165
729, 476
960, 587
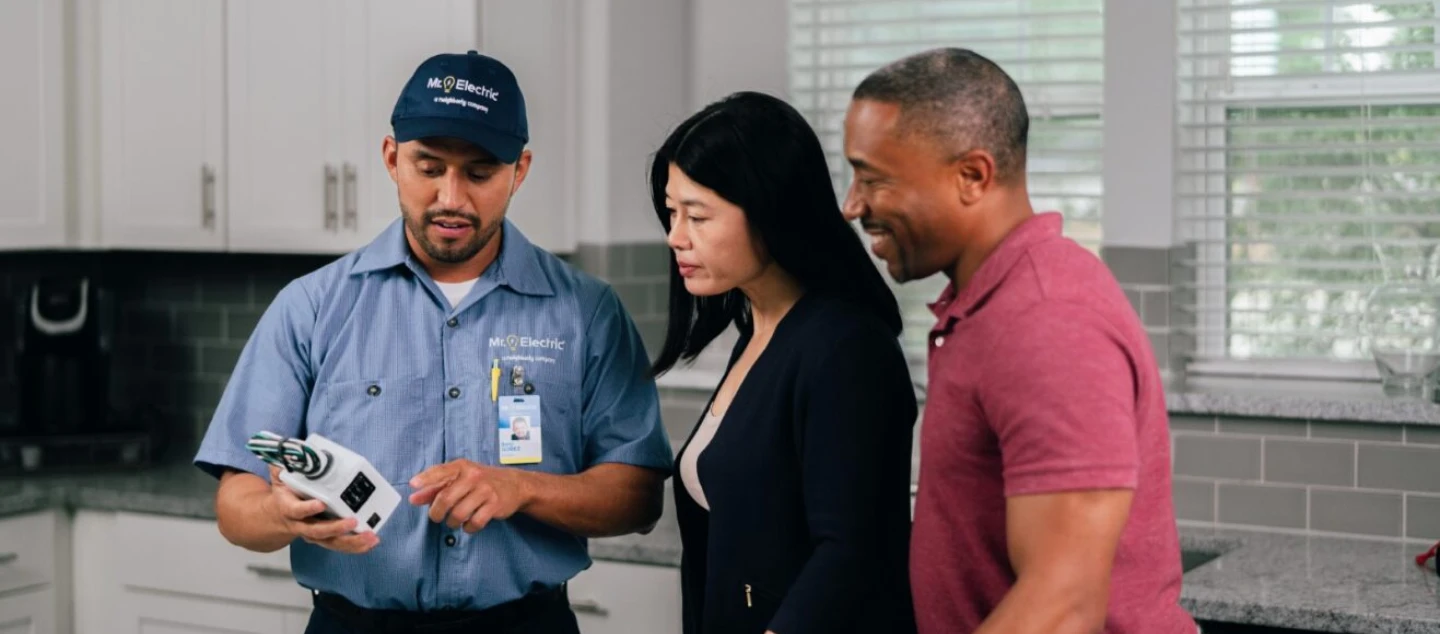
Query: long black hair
758, 153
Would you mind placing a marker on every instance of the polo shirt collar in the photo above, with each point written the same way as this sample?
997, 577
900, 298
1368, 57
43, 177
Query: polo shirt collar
953, 306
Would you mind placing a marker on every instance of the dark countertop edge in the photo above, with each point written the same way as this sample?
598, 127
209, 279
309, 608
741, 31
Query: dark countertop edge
1288, 617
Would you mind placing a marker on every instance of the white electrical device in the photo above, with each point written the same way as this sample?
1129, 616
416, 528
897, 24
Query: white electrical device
318, 468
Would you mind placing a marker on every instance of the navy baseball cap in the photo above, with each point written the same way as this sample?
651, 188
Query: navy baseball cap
471, 97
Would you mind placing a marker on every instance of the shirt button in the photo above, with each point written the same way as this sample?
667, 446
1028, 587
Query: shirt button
373, 390
454, 392
453, 322
449, 540
939, 341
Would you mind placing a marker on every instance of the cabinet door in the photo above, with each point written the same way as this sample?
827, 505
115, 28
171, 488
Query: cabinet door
285, 66
148, 613
394, 37
620, 598
32, 159
28, 613
162, 155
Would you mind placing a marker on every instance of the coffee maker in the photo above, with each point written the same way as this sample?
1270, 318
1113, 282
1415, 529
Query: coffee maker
63, 352
64, 341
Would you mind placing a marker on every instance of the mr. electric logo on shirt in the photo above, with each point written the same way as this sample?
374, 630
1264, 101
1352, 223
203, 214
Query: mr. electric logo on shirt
515, 342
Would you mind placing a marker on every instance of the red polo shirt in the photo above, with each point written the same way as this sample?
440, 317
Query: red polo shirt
1042, 380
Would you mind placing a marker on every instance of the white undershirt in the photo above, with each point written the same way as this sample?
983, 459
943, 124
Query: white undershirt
688, 473
456, 291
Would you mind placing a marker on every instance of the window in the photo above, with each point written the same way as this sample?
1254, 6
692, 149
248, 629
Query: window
1052, 48
1309, 147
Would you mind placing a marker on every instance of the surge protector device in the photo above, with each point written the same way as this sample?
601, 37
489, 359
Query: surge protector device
318, 468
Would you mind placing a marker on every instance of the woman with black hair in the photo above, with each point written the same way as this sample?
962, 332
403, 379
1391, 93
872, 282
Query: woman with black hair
794, 500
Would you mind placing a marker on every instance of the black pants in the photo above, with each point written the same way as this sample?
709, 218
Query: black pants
554, 619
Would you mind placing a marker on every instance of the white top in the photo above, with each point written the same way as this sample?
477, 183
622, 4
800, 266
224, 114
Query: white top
688, 473
456, 291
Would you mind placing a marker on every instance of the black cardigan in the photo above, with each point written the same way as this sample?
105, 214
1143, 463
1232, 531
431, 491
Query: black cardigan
808, 480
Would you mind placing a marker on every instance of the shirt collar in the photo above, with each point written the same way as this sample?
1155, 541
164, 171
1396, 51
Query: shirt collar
517, 266
1039, 228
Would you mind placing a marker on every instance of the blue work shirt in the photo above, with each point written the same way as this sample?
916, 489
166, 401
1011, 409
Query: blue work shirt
368, 352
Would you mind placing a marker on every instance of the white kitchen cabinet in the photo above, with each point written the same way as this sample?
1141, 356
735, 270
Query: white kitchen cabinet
623, 598
397, 37
162, 124
32, 159
31, 612
167, 574
29, 573
291, 181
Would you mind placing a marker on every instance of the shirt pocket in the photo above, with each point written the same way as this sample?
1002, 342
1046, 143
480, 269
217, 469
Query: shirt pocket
562, 435
392, 422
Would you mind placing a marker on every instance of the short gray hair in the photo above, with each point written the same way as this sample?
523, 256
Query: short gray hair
959, 100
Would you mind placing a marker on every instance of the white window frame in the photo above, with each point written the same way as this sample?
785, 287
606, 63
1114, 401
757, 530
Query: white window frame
1325, 90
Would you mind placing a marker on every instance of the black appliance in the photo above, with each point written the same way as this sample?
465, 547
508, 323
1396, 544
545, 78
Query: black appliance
64, 340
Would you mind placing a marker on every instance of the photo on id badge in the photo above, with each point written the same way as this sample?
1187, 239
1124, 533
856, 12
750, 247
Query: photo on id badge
520, 429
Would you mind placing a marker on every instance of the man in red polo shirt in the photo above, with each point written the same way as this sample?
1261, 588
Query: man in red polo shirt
1044, 501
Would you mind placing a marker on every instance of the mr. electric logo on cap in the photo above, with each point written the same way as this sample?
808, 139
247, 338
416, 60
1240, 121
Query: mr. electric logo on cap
449, 83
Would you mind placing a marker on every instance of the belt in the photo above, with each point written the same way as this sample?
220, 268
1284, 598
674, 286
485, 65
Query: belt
496, 618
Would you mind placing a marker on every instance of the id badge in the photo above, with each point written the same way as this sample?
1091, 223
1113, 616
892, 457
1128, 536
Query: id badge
520, 429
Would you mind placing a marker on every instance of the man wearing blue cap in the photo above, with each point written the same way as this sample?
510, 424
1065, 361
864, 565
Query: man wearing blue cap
416, 351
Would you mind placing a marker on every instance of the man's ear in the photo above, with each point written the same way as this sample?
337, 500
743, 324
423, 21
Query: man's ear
390, 154
522, 169
974, 175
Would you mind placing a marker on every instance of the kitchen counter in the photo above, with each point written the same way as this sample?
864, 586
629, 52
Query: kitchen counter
183, 491
1338, 402
1325, 584
1328, 584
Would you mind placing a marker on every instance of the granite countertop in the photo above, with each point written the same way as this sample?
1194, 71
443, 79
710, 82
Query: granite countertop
181, 490
1337, 401
1325, 584
1328, 584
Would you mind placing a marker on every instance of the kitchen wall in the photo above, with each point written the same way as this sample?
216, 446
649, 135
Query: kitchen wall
1358, 478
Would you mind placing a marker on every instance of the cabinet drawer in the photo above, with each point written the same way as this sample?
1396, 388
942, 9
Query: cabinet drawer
189, 556
615, 598
27, 550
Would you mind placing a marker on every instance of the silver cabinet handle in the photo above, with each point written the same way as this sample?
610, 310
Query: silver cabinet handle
352, 217
8, 558
587, 606
332, 217
273, 572
207, 196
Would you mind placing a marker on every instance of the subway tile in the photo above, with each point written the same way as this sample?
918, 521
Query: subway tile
1401, 468
1194, 499
203, 392
1422, 516
1217, 457
1160, 346
649, 260
227, 289
1363, 512
1262, 505
264, 287
635, 297
1262, 426
1355, 431
200, 322
1183, 422
1309, 462
171, 290
1137, 265
1136, 301
152, 323
174, 359
593, 259
219, 359
1421, 435
241, 322
1157, 309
